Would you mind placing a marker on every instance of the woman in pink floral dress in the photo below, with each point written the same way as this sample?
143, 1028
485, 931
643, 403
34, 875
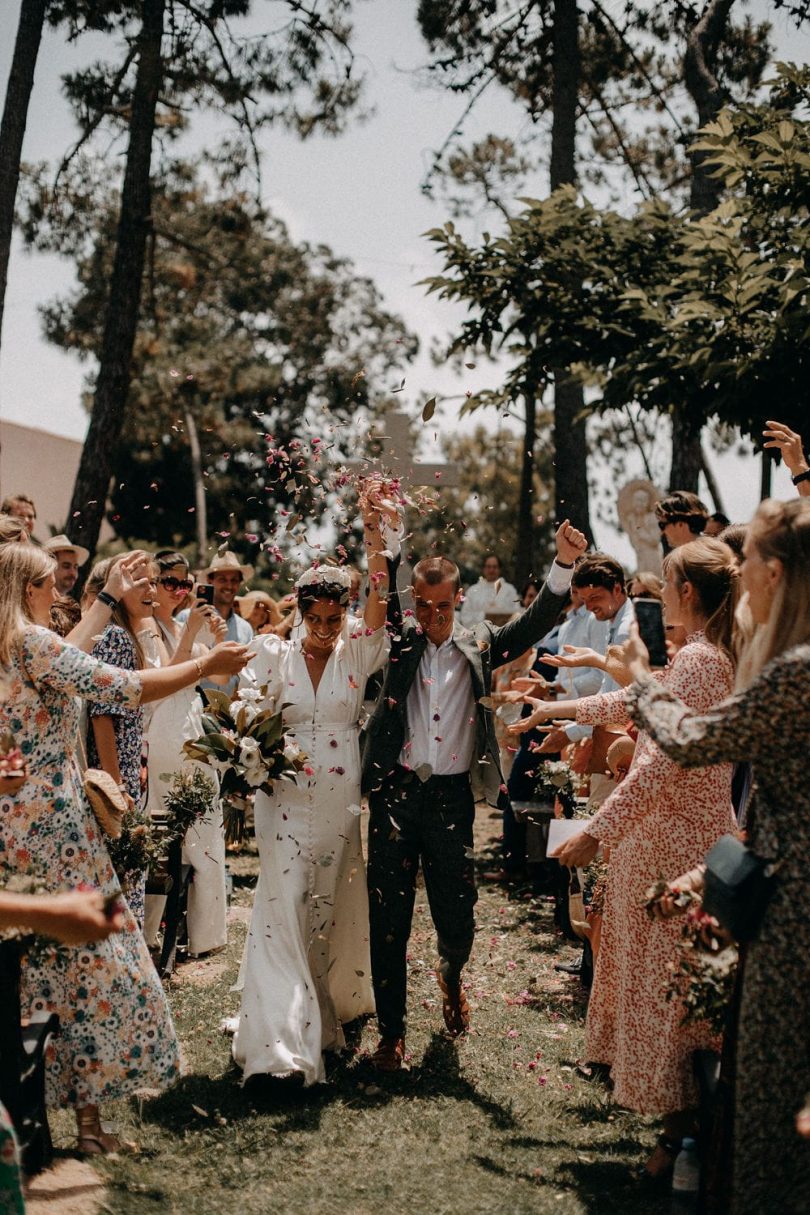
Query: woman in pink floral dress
661, 819
116, 1031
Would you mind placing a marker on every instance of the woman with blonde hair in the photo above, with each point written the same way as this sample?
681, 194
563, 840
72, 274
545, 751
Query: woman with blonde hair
766, 722
658, 812
116, 1034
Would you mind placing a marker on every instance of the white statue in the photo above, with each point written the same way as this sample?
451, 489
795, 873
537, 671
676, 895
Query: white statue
636, 507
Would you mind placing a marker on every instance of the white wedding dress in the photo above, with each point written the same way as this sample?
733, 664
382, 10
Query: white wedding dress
306, 969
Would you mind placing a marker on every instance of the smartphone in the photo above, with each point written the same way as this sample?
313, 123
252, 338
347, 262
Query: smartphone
205, 593
650, 619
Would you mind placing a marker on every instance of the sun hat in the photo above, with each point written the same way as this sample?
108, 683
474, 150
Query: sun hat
224, 564
58, 544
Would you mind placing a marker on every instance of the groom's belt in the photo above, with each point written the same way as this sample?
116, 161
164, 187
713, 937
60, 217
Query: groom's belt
459, 780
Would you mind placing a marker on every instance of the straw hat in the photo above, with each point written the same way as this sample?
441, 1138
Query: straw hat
246, 603
224, 564
58, 544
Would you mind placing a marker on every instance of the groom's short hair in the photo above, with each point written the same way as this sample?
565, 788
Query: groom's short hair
434, 570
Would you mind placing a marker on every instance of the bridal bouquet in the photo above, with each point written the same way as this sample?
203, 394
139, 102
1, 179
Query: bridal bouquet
555, 779
247, 746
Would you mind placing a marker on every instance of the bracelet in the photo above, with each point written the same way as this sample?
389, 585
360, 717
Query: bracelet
802, 476
564, 565
198, 665
106, 598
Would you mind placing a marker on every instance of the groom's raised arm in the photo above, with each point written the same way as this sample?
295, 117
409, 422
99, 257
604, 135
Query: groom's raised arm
513, 639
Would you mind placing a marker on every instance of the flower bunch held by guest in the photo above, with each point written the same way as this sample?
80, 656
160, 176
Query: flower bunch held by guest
306, 966
766, 722
116, 1034
657, 814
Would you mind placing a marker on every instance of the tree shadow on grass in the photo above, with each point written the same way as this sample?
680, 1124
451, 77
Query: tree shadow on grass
605, 1186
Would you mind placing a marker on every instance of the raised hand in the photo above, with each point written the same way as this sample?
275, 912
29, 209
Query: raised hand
130, 572
202, 614
570, 543
785, 440
636, 654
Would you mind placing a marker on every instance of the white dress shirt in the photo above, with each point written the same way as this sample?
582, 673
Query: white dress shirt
485, 598
441, 707
582, 630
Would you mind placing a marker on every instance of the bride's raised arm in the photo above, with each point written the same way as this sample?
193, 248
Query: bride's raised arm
380, 514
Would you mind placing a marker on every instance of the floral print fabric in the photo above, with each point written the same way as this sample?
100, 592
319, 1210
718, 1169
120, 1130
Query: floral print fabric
661, 820
116, 1030
768, 725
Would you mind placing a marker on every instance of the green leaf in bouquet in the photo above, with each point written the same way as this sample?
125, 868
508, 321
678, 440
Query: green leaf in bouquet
219, 701
217, 744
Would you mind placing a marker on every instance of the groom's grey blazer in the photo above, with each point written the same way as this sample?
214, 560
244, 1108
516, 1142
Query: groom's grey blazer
485, 647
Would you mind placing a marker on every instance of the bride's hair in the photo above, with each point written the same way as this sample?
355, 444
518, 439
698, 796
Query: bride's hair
324, 582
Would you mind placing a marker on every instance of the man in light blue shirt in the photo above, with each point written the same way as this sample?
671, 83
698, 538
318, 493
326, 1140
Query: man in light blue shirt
599, 580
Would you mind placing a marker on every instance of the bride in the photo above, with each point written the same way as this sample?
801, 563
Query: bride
306, 969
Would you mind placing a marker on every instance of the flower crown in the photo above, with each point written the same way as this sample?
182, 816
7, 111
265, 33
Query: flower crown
325, 582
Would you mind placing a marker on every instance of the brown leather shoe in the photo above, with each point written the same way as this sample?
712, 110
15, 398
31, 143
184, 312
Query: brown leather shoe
455, 1009
389, 1055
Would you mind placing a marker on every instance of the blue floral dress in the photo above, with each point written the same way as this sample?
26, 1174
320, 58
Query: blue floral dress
117, 1034
116, 648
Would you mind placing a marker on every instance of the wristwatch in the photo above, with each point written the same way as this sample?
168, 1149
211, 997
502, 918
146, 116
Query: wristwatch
802, 476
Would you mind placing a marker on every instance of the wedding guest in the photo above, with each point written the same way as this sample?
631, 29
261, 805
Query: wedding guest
490, 598
12, 530
657, 814
645, 586
69, 559
116, 1035
170, 723
226, 574
115, 734
259, 609
765, 722
21, 507
681, 517
429, 735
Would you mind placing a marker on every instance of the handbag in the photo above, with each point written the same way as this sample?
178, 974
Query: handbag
107, 801
738, 886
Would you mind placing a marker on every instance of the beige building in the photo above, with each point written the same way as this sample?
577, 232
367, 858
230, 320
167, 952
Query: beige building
42, 465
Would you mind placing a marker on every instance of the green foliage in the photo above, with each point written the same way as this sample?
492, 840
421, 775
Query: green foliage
706, 315
252, 333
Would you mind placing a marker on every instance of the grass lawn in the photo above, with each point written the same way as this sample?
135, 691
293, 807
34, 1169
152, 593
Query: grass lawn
497, 1124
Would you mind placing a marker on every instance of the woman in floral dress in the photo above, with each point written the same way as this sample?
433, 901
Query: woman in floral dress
767, 723
116, 1031
659, 816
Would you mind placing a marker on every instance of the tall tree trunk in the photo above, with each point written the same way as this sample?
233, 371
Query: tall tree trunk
200, 503
123, 304
699, 69
524, 557
571, 499
12, 127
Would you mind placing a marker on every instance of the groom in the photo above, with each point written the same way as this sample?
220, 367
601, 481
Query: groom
430, 748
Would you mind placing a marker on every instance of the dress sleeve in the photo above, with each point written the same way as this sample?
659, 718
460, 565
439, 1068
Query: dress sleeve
51, 662
265, 668
368, 649
703, 676
741, 728
604, 709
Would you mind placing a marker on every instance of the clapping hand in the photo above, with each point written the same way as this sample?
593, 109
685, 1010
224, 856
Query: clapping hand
570, 543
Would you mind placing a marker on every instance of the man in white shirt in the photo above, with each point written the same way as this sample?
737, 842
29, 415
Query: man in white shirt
428, 743
490, 598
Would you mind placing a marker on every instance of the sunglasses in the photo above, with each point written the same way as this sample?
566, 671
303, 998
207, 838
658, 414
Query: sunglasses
177, 584
664, 523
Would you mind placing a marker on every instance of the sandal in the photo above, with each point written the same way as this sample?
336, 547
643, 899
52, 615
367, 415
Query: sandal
93, 1141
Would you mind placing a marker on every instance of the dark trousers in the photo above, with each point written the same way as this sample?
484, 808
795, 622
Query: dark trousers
413, 821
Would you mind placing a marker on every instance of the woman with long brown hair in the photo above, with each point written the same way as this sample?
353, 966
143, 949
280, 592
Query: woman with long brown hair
659, 812
766, 722
116, 1034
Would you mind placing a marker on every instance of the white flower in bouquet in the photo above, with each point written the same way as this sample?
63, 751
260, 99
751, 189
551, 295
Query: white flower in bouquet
250, 757
249, 701
292, 752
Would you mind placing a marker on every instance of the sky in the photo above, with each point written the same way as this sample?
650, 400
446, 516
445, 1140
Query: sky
359, 193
